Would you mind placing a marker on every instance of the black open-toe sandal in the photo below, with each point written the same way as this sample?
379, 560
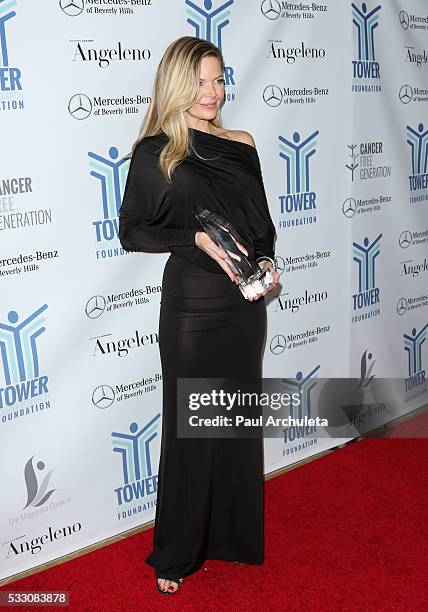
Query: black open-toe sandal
178, 582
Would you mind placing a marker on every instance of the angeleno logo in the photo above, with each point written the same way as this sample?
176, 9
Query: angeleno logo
20, 545
103, 57
10, 76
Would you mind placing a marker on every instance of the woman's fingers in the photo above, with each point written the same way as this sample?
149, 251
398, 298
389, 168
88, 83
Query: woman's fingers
240, 246
223, 264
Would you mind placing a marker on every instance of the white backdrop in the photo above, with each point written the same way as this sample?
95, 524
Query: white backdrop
333, 93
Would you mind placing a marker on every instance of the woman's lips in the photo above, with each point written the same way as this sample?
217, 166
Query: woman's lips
213, 105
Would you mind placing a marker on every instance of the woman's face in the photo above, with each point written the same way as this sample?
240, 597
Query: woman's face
211, 90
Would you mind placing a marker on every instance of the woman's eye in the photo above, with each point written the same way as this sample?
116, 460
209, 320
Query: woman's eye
220, 81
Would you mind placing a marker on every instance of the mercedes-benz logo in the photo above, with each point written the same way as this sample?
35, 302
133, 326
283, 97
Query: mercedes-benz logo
271, 9
103, 396
279, 264
401, 306
405, 94
278, 344
272, 95
80, 106
95, 306
405, 239
404, 20
72, 8
349, 207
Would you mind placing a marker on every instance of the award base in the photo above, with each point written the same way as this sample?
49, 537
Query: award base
256, 284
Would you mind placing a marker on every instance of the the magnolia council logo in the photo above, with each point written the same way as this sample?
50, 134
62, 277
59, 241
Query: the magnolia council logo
349, 207
103, 396
271, 9
272, 95
37, 490
80, 107
95, 306
278, 344
405, 94
72, 8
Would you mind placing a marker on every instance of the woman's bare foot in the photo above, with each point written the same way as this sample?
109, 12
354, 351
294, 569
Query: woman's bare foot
169, 586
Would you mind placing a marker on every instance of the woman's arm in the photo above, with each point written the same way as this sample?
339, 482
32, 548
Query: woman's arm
262, 223
144, 216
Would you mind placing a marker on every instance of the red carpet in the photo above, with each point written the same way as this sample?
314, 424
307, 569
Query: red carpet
344, 532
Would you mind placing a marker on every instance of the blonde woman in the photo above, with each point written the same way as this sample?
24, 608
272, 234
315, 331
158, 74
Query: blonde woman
210, 490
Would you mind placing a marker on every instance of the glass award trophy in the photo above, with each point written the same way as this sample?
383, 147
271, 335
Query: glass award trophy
252, 279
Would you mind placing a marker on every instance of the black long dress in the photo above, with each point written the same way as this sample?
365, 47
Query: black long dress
210, 502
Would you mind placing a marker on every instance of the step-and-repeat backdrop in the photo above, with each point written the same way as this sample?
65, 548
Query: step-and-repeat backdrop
335, 94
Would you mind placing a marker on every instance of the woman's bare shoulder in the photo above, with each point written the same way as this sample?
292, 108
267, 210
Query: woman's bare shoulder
242, 136
239, 135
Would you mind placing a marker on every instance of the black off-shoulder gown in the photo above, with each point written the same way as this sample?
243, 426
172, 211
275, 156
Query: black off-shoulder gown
210, 500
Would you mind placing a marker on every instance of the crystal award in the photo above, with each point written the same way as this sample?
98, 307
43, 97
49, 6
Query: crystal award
252, 280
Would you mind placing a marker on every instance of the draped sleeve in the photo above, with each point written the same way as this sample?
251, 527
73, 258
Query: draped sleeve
146, 216
260, 218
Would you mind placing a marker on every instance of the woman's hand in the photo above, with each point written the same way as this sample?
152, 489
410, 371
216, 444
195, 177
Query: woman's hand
204, 242
266, 264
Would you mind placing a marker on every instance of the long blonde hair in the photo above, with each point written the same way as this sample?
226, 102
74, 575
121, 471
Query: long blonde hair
175, 89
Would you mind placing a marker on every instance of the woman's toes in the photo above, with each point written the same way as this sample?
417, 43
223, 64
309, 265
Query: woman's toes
161, 583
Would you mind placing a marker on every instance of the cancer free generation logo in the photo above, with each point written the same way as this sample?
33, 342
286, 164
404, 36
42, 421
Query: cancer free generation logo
298, 205
23, 384
417, 139
208, 23
11, 97
111, 173
366, 301
365, 68
140, 481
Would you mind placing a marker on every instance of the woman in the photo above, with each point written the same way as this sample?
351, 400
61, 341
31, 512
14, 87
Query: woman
210, 491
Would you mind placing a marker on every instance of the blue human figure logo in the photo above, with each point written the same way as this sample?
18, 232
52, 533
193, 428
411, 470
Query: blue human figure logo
365, 24
303, 386
365, 256
418, 141
112, 176
208, 23
18, 346
297, 155
134, 449
5, 14
413, 346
